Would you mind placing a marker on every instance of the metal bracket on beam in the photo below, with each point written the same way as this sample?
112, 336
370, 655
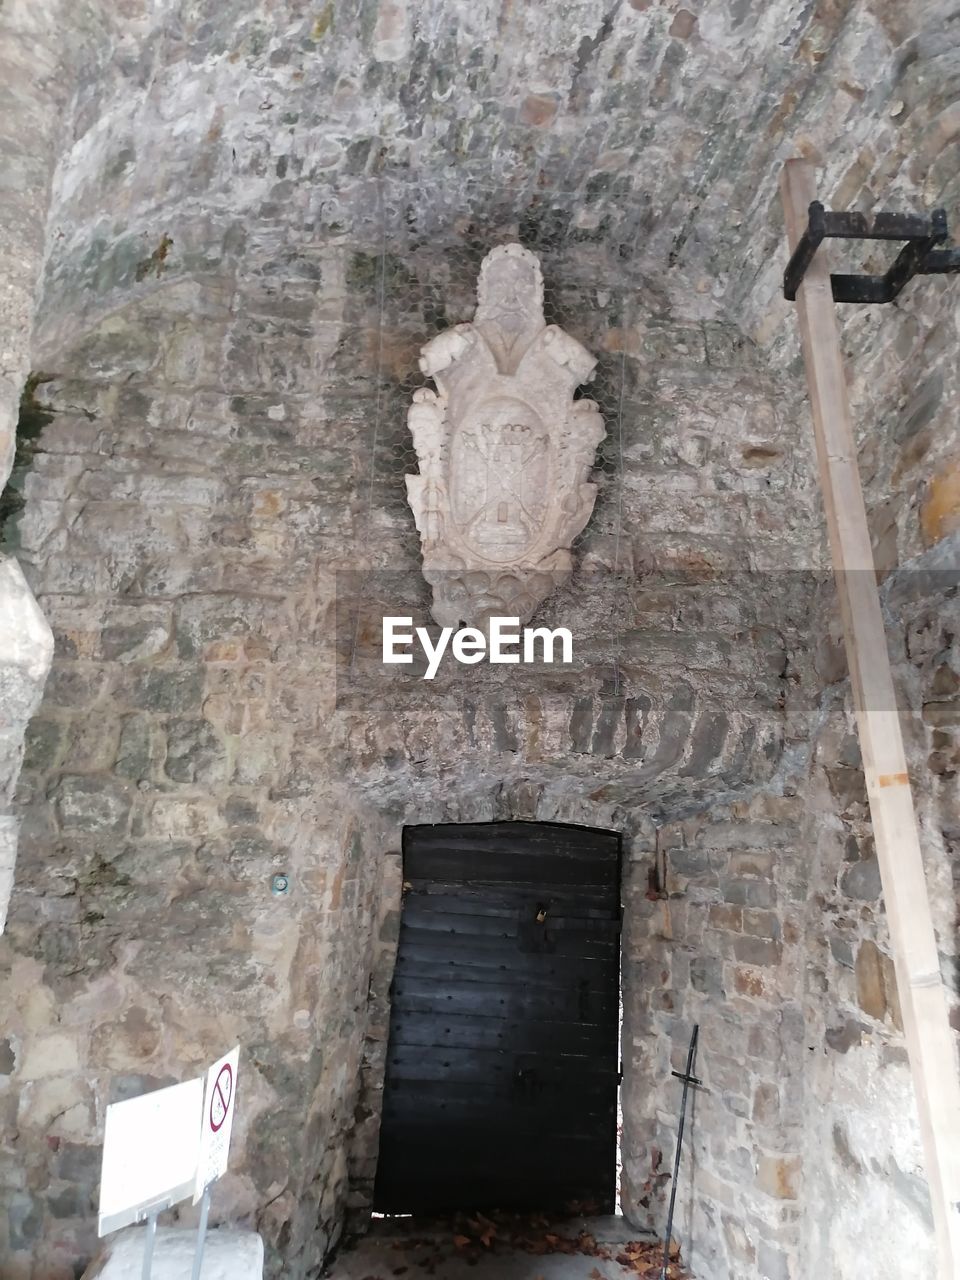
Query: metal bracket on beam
919, 256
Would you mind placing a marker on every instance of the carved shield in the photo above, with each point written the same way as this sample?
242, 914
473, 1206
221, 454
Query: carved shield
499, 478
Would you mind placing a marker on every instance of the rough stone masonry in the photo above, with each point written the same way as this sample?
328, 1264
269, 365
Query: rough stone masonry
229, 229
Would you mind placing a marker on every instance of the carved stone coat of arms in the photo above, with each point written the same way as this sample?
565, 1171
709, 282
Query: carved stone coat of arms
505, 451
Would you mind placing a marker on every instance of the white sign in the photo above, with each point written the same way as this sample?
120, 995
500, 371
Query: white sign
219, 1104
150, 1151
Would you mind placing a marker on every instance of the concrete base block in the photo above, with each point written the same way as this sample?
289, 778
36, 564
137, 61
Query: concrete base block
228, 1255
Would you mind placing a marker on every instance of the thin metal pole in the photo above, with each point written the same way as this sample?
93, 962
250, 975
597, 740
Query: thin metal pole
688, 1079
201, 1234
148, 1246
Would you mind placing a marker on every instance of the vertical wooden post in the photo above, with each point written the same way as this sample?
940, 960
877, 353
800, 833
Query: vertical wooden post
928, 1035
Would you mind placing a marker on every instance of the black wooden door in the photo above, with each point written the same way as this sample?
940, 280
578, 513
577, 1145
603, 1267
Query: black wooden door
503, 1058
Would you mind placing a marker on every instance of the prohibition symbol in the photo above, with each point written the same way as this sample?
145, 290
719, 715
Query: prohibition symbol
220, 1096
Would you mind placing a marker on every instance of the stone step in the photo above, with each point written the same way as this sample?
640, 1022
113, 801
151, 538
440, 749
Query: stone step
227, 1255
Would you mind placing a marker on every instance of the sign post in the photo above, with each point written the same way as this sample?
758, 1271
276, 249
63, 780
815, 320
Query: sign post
219, 1105
162, 1147
201, 1234
148, 1245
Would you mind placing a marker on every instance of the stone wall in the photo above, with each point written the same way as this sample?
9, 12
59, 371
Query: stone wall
224, 457
162, 790
723, 946
53, 60
26, 43
864, 1155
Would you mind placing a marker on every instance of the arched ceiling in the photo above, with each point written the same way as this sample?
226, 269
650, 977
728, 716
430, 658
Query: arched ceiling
646, 137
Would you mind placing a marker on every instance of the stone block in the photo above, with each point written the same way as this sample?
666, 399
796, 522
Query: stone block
136, 634
754, 863
740, 1247
942, 715
848, 786
228, 1255
764, 1043
25, 1221
91, 743
773, 1263
749, 893
843, 1038
61, 1106
940, 512
921, 408
71, 1201
766, 1104
73, 684
179, 818
195, 753
94, 804
222, 629
727, 918
841, 951
78, 1162
779, 1176
127, 1042
689, 862
167, 689
43, 743
861, 880
49, 1055
748, 982
762, 952
241, 811
871, 988
125, 1086
140, 737
760, 924
706, 975
737, 1104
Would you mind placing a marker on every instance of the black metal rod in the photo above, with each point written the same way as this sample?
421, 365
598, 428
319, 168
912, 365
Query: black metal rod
941, 260
803, 254
919, 256
688, 1079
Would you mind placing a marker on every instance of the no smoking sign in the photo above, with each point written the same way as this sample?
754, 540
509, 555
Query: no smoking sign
219, 1098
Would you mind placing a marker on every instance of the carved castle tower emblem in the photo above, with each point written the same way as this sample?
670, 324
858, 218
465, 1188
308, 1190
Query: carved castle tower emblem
505, 451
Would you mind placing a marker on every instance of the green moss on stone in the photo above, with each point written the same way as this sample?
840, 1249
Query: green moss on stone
34, 416
366, 270
155, 262
323, 23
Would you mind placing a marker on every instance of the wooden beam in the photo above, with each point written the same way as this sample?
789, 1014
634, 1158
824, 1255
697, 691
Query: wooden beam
922, 1000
